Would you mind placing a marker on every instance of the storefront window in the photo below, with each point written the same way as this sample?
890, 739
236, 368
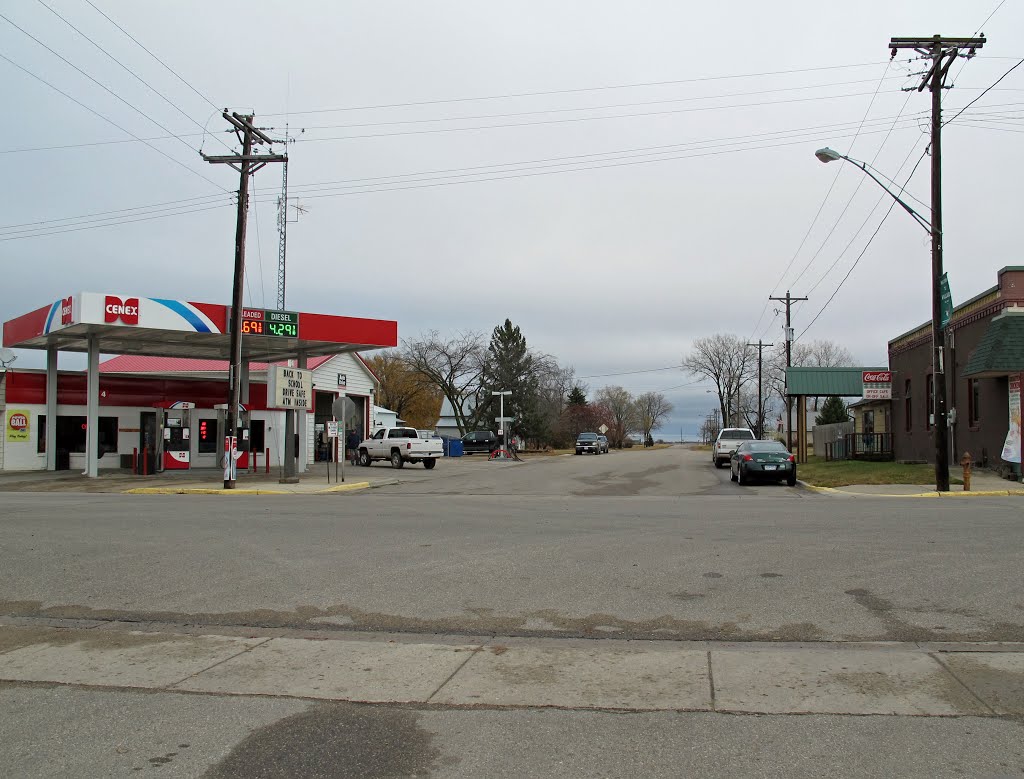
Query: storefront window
908, 408
71, 435
973, 402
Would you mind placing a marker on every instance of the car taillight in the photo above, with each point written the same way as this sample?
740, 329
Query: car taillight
408, 446
748, 457
792, 459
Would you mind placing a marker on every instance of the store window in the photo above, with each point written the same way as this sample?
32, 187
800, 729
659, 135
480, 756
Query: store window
929, 400
71, 434
974, 402
908, 408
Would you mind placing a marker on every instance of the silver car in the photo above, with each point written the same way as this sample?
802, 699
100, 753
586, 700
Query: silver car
604, 443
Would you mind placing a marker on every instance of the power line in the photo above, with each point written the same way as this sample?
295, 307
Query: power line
631, 373
167, 67
625, 152
78, 228
1007, 73
577, 119
859, 256
128, 70
520, 167
404, 186
112, 122
606, 107
30, 227
509, 96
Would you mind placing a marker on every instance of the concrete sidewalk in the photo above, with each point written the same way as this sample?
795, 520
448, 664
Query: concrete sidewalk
858, 679
983, 484
206, 481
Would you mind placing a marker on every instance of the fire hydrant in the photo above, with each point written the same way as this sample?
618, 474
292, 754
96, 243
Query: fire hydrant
965, 461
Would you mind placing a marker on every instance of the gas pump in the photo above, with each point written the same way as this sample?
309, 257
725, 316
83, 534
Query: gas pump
242, 432
175, 442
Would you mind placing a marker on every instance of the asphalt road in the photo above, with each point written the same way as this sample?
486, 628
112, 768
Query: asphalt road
633, 544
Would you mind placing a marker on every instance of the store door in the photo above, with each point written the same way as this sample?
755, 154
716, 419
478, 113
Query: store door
147, 442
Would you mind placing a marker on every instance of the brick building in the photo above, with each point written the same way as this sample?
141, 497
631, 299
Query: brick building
977, 392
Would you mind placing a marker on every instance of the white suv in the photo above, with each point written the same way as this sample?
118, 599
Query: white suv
728, 439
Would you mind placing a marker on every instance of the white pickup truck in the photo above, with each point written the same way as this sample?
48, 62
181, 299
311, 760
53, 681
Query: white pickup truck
400, 445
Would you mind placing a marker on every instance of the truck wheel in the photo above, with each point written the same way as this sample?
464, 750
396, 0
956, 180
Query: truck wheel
364, 458
396, 459
429, 463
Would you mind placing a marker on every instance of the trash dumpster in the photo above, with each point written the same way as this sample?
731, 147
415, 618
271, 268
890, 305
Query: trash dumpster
455, 447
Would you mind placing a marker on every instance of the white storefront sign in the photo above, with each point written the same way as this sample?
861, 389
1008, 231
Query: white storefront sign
1011, 448
289, 388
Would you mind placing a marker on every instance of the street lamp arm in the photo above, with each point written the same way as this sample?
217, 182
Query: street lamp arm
828, 155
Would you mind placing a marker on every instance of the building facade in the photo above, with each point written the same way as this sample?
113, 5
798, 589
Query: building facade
978, 404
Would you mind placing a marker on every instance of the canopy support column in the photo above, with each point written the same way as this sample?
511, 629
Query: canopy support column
301, 422
51, 408
92, 422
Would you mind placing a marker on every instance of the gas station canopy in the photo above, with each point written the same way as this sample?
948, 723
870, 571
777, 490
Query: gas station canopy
127, 324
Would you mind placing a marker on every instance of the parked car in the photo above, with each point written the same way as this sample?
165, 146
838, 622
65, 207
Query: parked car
588, 442
479, 442
604, 443
762, 460
728, 439
400, 445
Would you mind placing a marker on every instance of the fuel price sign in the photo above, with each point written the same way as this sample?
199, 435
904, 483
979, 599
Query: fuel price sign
258, 321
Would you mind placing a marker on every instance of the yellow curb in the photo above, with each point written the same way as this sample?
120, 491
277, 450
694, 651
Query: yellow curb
356, 485
932, 494
199, 491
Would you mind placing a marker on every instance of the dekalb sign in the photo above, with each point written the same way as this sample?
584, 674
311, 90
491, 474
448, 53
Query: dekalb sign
877, 385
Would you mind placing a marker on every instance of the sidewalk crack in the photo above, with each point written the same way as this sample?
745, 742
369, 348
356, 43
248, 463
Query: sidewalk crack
962, 683
711, 682
473, 652
219, 662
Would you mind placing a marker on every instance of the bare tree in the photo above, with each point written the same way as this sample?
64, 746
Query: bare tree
651, 409
622, 410
454, 365
727, 361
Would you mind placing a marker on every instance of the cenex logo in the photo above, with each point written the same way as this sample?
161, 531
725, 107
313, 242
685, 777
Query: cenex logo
65, 311
127, 311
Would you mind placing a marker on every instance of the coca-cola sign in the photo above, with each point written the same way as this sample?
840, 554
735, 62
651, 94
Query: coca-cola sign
877, 377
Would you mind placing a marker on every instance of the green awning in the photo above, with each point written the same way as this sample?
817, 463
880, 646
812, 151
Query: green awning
844, 382
1000, 351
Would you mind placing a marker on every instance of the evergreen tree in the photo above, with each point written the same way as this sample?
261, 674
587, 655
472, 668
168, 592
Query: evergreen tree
833, 410
509, 365
577, 397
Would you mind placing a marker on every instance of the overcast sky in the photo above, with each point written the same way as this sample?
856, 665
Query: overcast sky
617, 178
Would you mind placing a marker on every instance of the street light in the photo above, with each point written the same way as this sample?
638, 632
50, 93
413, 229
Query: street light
933, 227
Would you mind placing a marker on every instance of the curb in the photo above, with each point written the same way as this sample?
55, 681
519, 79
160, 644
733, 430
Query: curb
200, 491
932, 494
356, 485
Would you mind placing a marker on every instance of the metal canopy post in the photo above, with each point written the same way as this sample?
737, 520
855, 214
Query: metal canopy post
51, 408
92, 393
302, 420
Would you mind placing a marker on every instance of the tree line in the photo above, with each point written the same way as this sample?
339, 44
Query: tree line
548, 405
730, 364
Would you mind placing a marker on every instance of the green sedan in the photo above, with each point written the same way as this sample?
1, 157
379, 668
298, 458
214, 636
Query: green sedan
763, 460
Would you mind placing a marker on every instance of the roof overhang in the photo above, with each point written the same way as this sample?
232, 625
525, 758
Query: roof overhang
128, 324
1000, 352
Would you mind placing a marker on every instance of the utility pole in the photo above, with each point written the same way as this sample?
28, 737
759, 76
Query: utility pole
942, 52
246, 164
760, 394
789, 300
